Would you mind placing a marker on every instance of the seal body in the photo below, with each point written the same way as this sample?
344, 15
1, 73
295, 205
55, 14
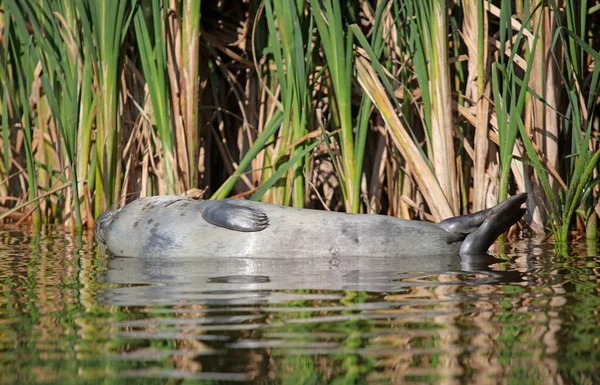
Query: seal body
171, 226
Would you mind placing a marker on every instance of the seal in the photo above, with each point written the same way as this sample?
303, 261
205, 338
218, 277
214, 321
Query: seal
172, 226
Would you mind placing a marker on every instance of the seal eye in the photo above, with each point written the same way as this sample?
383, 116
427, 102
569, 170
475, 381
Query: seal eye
102, 222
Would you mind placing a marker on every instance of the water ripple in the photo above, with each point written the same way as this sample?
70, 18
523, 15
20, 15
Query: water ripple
69, 315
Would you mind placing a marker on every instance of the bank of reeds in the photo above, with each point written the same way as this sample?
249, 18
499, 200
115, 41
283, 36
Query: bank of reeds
420, 109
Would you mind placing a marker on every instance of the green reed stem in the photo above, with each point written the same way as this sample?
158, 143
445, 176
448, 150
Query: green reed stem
337, 46
153, 59
108, 23
257, 147
190, 53
23, 59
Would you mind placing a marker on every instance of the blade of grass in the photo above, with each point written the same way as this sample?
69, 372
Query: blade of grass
337, 47
257, 147
424, 177
152, 57
281, 170
24, 59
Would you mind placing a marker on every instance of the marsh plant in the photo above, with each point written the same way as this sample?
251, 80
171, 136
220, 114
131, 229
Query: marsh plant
414, 108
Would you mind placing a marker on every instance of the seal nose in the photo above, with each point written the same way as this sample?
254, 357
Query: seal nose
102, 222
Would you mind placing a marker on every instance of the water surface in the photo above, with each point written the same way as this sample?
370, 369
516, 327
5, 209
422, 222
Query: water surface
69, 315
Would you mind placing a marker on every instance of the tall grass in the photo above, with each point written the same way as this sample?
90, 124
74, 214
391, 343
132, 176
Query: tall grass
106, 25
420, 109
290, 32
189, 88
510, 91
429, 29
153, 56
19, 64
337, 47
475, 30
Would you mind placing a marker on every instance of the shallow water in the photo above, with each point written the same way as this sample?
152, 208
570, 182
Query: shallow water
71, 316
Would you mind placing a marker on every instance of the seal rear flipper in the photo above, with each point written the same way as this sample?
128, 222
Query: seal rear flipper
479, 230
234, 217
466, 224
479, 241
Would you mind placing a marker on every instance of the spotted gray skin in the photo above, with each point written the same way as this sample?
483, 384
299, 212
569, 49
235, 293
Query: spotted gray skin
172, 226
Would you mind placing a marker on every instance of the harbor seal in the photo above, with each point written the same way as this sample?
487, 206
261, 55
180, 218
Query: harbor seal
173, 226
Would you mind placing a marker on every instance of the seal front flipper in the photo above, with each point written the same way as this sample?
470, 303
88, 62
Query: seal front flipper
234, 217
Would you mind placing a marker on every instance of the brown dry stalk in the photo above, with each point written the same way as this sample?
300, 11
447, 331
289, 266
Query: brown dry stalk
478, 89
174, 70
424, 177
442, 138
545, 81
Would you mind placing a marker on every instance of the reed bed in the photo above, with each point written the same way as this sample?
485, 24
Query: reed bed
414, 108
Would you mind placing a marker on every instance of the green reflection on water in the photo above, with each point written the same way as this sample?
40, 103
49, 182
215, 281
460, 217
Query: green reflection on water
57, 328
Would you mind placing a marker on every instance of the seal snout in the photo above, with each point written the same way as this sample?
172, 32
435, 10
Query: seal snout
102, 223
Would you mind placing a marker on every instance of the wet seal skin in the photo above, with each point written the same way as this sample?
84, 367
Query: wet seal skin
173, 226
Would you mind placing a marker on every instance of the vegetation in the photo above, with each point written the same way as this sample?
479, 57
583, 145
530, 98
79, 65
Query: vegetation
418, 109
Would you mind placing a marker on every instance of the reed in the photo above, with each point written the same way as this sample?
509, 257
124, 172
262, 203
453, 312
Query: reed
20, 58
475, 30
429, 29
153, 52
107, 25
572, 39
509, 92
292, 54
193, 134
62, 86
337, 48
419, 109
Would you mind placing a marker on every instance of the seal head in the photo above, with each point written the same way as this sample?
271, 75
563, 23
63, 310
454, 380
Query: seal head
102, 223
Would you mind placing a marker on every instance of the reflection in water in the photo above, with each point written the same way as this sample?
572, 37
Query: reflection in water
237, 281
68, 315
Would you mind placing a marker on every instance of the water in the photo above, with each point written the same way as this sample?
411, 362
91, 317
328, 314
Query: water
71, 316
